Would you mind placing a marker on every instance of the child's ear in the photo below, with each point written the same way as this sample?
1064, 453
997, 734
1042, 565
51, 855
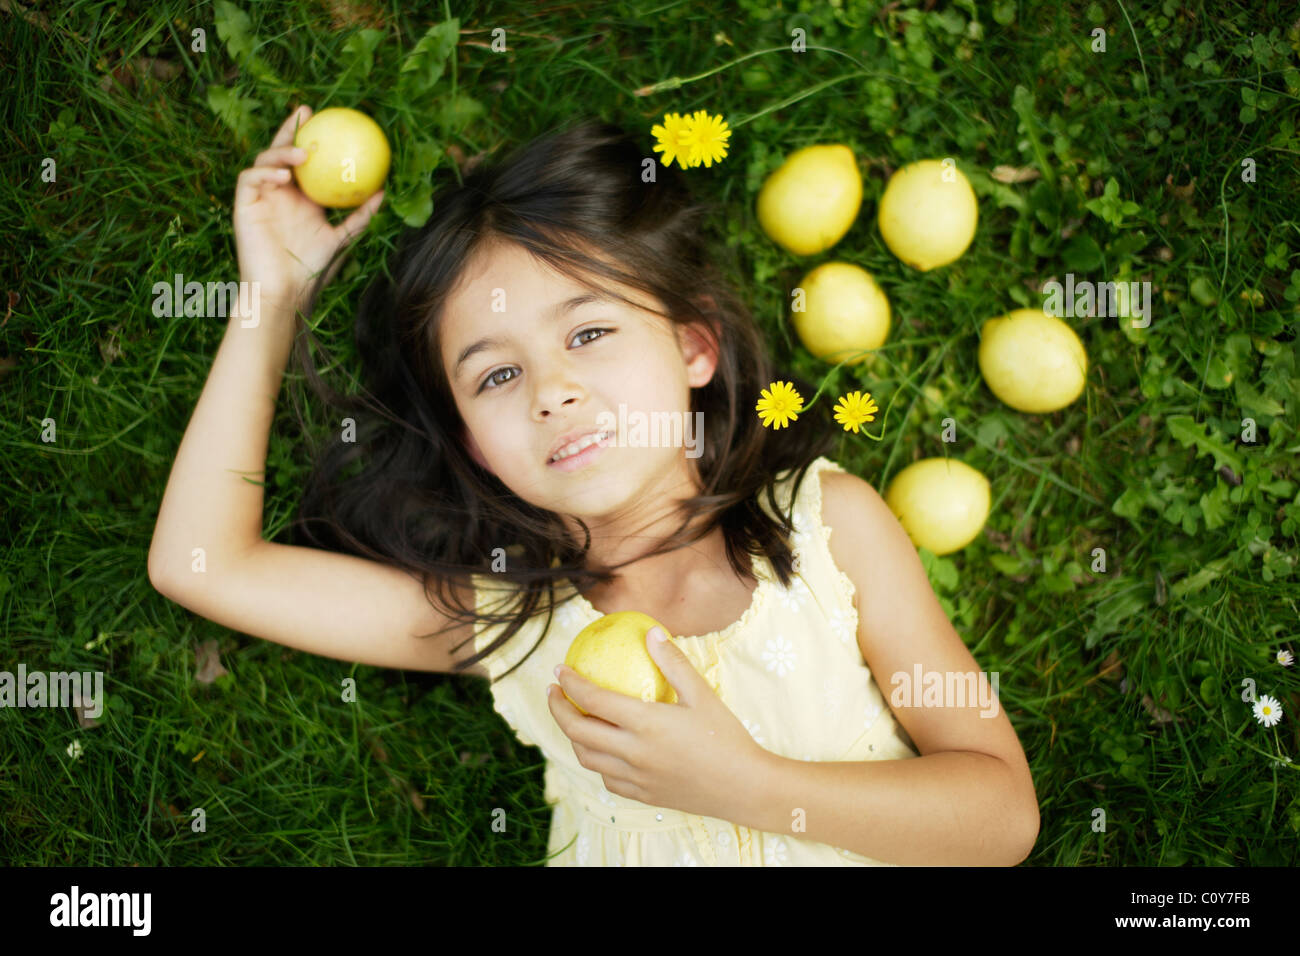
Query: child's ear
699, 343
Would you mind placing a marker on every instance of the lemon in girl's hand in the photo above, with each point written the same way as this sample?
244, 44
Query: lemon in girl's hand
1032, 361
941, 503
611, 653
809, 203
844, 311
347, 158
928, 213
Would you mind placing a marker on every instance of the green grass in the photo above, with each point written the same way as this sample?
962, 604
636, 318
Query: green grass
1200, 590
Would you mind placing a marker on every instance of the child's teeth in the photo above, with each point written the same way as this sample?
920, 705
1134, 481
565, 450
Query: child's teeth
578, 446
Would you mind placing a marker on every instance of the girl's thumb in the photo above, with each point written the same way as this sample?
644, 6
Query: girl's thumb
356, 222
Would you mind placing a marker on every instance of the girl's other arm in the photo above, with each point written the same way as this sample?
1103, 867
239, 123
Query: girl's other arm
207, 552
969, 798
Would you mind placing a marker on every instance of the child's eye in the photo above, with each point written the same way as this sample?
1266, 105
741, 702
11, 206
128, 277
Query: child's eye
492, 381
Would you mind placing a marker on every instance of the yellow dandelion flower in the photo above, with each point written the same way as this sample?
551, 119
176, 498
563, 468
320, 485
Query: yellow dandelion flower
670, 139
781, 405
855, 409
705, 139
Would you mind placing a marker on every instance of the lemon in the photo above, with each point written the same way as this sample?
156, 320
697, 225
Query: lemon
928, 214
611, 653
1032, 361
809, 203
347, 158
941, 503
844, 312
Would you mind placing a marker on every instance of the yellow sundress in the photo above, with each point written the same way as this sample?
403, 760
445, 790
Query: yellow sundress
790, 669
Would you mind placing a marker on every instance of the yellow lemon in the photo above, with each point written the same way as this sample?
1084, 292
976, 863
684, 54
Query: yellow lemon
844, 312
1032, 361
809, 203
347, 158
611, 653
928, 214
941, 503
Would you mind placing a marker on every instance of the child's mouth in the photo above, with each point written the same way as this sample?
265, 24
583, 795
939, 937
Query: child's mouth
584, 456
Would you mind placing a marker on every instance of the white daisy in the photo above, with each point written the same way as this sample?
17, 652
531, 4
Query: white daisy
753, 731
74, 750
1268, 711
1285, 658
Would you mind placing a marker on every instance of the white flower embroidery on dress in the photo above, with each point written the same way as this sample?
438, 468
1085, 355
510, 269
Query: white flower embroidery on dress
606, 798
839, 623
685, 859
584, 849
794, 597
871, 712
569, 616
774, 851
830, 698
753, 732
780, 656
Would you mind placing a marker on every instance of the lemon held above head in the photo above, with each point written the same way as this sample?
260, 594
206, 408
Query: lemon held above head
347, 158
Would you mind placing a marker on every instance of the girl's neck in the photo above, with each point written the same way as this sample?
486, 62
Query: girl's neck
660, 576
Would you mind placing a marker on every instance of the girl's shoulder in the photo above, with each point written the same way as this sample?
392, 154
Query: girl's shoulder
806, 490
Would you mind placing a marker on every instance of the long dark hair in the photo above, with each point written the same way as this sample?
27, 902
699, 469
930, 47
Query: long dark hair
407, 493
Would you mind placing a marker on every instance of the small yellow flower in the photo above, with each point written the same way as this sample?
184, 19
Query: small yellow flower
855, 409
705, 139
670, 141
781, 405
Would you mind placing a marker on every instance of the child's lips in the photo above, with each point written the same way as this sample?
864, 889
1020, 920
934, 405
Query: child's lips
584, 457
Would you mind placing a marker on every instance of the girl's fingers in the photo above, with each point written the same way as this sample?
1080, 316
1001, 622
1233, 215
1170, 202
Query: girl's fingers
251, 180
284, 136
350, 227
281, 156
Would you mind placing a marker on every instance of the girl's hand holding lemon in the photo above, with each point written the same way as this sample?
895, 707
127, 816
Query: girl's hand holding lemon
282, 238
693, 755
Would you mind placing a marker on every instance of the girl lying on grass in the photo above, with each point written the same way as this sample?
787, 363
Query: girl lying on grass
549, 297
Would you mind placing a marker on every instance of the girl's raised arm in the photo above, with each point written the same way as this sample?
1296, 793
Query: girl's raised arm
207, 552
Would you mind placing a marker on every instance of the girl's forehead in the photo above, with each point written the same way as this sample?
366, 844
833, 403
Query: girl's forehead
507, 280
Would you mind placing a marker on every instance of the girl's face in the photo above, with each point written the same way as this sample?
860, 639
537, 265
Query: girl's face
552, 367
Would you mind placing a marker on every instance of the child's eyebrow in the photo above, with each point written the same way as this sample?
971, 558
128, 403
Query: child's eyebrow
557, 311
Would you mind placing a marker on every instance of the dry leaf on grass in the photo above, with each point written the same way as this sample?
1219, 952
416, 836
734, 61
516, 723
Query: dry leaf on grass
1111, 667
1158, 714
1012, 174
207, 663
